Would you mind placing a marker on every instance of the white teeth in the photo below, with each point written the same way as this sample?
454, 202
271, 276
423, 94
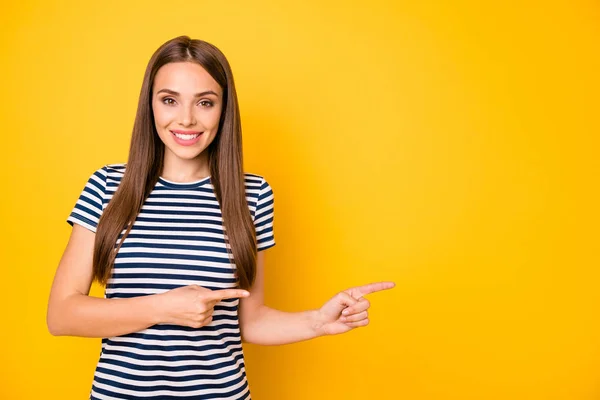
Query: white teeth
186, 137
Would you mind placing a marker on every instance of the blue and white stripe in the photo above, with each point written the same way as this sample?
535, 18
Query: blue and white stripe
176, 240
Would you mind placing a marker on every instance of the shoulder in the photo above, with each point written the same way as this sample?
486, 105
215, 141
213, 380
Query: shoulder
256, 183
117, 169
258, 194
107, 176
253, 180
114, 173
258, 190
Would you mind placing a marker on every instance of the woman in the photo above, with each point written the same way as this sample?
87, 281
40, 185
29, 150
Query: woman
178, 236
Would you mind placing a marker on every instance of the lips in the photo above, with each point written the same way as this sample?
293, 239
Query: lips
186, 138
186, 132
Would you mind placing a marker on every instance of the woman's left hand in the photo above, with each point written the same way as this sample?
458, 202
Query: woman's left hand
347, 309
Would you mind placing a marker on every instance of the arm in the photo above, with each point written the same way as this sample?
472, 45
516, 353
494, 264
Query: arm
260, 324
267, 326
72, 312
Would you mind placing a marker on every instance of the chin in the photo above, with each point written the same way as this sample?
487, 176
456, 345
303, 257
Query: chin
189, 154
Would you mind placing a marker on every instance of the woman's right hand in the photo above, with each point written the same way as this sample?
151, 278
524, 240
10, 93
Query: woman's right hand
193, 305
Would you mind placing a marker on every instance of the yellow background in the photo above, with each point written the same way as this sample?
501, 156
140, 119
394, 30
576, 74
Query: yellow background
449, 146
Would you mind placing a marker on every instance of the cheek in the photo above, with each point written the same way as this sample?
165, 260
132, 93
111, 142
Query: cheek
211, 120
162, 116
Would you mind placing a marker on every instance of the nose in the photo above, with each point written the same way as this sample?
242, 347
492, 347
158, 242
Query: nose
187, 117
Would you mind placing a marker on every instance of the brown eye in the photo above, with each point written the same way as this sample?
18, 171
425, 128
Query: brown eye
166, 101
206, 103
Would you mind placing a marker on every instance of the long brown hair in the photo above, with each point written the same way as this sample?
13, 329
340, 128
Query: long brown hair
145, 163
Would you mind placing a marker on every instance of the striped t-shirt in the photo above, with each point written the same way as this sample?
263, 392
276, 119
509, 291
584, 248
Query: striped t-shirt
176, 240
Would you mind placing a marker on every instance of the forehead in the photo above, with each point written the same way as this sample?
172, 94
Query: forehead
185, 77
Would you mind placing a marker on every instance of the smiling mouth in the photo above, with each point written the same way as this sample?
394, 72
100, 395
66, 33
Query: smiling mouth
186, 135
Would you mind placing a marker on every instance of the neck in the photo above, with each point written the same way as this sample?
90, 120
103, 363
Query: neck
181, 170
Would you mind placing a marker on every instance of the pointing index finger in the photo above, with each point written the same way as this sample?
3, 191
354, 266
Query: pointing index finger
223, 294
371, 288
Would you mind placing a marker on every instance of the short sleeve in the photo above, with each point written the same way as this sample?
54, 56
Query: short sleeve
88, 207
263, 217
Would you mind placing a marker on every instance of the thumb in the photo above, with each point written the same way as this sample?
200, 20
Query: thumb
346, 300
340, 302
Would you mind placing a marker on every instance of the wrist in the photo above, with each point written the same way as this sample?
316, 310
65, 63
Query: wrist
156, 308
317, 323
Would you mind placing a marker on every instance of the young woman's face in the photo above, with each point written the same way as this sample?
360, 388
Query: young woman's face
187, 105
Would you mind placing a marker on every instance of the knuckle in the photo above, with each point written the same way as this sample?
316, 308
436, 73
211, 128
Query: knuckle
202, 314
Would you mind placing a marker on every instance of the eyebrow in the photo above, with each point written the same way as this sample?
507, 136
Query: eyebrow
174, 93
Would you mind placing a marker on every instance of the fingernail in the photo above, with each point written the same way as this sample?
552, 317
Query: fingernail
345, 312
